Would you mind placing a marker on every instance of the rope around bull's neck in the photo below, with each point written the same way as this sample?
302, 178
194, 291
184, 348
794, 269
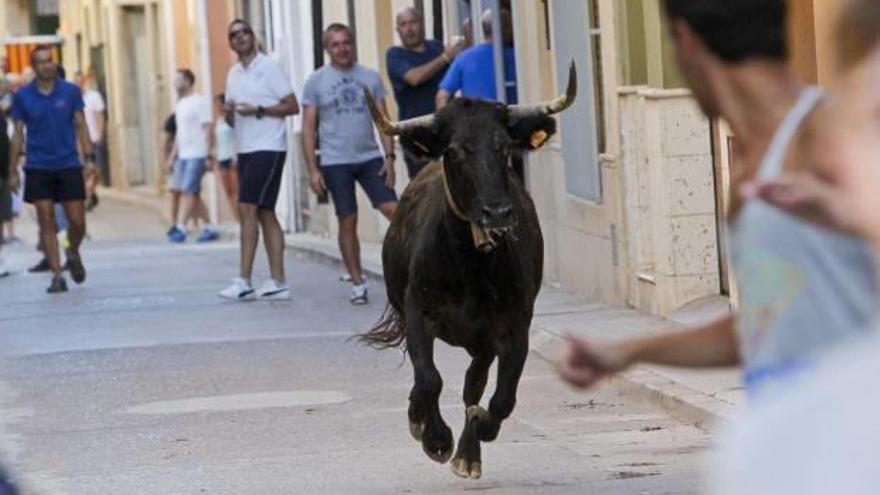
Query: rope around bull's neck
483, 240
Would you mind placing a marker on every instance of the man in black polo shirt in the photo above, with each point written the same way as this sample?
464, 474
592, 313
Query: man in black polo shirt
415, 70
51, 110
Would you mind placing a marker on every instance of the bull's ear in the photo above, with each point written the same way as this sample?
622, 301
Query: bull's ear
530, 133
428, 142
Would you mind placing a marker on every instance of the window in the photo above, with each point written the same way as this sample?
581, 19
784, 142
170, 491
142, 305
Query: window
576, 37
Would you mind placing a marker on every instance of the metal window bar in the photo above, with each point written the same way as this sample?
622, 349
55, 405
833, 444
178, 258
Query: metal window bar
498, 52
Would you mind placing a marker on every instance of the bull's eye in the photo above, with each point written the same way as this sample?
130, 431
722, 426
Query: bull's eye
455, 153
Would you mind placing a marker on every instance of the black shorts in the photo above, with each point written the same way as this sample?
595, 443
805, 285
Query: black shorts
5, 203
259, 178
340, 181
58, 186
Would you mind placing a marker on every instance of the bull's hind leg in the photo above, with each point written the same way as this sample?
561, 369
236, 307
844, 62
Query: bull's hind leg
466, 462
425, 422
484, 425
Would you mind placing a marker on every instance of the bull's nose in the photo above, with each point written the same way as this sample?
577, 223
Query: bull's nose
495, 214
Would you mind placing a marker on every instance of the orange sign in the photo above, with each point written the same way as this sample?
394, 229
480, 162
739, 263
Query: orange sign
18, 54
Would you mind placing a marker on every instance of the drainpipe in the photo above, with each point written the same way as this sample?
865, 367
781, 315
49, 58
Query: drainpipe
170, 55
204, 44
476, 25
498, 52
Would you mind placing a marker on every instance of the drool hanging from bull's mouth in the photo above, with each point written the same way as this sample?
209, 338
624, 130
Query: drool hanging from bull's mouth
449, 272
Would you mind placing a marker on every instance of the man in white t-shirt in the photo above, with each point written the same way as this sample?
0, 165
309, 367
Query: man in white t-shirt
259, 98
193, 142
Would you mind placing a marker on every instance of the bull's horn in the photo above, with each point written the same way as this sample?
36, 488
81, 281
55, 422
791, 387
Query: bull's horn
555, 105
393, 128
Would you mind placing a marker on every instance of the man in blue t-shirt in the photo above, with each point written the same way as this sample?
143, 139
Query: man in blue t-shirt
51, 110
415, 70
473, 72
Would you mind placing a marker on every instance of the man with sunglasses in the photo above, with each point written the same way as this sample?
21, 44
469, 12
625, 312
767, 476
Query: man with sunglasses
259, 98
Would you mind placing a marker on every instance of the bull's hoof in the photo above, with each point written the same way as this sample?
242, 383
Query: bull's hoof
437, 443
467, 469
441, 455
476, 413
417, 430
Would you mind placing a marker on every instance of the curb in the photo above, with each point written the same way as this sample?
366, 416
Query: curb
321, 254
685, 404
646, 383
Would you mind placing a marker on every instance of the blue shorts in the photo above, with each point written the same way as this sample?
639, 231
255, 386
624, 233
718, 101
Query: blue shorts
340, 181
187, 177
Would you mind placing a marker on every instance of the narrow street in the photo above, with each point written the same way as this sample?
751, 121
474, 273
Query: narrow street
142, 381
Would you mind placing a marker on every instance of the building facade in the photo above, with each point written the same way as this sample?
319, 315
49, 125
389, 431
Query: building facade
631, 193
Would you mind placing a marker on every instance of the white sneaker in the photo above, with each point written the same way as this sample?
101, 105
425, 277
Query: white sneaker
344, 277
359, 294
273, 290
240, 290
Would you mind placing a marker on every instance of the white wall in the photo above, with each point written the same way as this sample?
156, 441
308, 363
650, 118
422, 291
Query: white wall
291, 45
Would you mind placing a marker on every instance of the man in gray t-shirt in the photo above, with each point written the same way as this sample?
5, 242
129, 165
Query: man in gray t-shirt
336, 110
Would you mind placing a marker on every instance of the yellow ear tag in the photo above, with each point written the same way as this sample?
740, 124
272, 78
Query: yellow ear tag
538, 139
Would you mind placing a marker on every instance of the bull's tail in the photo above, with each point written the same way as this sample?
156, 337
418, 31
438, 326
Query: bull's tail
388, 332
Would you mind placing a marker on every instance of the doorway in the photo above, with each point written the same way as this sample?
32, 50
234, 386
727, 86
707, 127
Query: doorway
139, 135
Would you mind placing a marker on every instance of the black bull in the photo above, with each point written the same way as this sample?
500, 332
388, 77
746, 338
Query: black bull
463, 262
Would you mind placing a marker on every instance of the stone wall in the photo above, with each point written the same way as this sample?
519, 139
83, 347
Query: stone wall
671, 234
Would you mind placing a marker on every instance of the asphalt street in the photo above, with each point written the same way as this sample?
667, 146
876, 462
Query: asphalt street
143, 381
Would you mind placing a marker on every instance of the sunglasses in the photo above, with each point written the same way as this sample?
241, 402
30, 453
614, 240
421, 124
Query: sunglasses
238, 32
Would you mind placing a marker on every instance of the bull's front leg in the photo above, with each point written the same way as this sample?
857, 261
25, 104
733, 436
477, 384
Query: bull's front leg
483, 425
466, 462
425, 422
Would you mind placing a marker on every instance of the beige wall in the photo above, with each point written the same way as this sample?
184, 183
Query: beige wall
102, 23
185, 31
670, 200
220, 14
811, 34
15, 18
825, 14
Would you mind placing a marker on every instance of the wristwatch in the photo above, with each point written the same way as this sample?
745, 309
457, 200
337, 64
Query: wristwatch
391, 156
260, 112
90, 157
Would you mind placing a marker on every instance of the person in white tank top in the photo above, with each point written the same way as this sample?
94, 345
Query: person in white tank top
770, 452
733, 56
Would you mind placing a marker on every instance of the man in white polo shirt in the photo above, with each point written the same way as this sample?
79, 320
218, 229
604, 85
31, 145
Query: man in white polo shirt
259, 98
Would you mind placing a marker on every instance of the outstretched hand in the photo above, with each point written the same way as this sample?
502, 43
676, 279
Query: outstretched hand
584, 364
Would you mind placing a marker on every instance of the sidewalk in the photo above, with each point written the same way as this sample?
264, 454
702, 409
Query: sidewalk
700, 397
